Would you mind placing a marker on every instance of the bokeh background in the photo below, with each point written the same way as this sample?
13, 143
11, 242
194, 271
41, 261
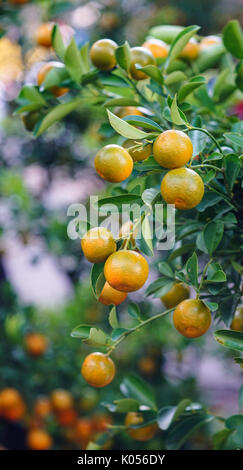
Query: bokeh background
44, 280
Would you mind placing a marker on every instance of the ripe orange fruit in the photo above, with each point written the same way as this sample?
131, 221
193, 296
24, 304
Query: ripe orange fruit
191, 50
175, 295
158, 48
128, 111
126, 270
36, 344
66, 417
83, 431
209, 41
102, 54
38, 439
138, 154
97, 244
140, 56
182, 187
172, 149
15, 412
56, 90
144, 433
10, 397
113, 163
44, 33
98, 370
237, 322
192, 318
100, 422
61, 400
42, 407
110, 296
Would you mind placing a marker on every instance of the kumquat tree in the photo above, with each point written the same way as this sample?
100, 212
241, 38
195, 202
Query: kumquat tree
162, 238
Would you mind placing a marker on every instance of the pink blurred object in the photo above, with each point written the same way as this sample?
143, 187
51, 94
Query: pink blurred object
238, 110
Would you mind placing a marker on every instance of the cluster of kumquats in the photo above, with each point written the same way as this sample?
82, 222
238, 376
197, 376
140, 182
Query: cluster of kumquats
58, 411
126, 270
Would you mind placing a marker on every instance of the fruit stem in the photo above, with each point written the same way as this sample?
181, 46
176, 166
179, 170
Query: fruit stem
203, 276
136, 328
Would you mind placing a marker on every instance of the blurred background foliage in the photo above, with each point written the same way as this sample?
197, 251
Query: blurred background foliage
44, 281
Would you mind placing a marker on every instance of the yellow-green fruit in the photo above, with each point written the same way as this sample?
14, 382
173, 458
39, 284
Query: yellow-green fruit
172, 149
113, 163
138, 154
143, 433
140, 56
182, 187
102, 54
175, 295
97, 244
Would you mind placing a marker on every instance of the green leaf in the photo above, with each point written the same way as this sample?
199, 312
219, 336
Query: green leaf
199, 141
143, 122
167, 33
209, 58
56, 114
134, 311
235, 138
220, 438
224, 85
176, 114
233, 38
120, 203
148, 165
81, 331
121, 102
181, 251
90, 335
192, 269
159, 287
190, 86
113, 318
117, 333
211, 305
30, 99
165, 417
165, 269
154, 72
180, 41
241, 397
84, 54
126, 404
230, 339
55, 76
150, 196
97, 278
182, 430
97, 337
147, 235
235, 423
239, 361
123, 56
212, 235
175, 77
134, 387
73, 62
57, 42
123, 128
232, 168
